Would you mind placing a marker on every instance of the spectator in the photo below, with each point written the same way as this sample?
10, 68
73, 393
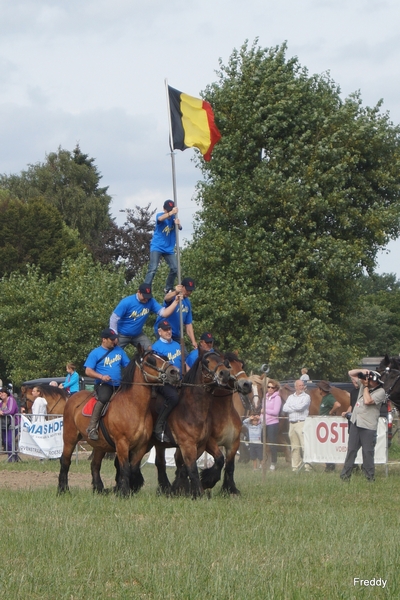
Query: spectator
273, 404
162, 245
185, 290
304, 375
254, 427
296, 406
206, 344
39, 406
364, 422
104, 364
71, 383
8, 408
327, 407
131, 314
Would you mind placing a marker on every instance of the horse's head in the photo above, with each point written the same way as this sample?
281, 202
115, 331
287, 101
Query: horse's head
157, 369
215, 369
238, 378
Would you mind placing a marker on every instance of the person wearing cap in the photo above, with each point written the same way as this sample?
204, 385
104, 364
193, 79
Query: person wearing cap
105, 365
131, 314
184, 290
327, 408
163, 243
166, 346
206, 344
364, 422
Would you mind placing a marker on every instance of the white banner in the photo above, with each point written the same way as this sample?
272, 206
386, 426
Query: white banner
326, 438
41, 439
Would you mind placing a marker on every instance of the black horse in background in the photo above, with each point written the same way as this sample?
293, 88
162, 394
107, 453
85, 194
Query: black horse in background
389, 369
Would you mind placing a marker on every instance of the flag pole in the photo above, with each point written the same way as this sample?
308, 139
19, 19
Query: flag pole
175, 198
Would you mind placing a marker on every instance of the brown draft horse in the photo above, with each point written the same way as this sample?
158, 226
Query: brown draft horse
56, 398
188, 422
126, 427
222, 427
225, 429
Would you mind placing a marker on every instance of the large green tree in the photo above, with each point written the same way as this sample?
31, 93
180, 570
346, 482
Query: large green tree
33, 233
44, 324
70, 182
301, 193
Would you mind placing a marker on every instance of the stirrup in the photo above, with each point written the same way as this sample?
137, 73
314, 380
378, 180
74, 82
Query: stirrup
93, 434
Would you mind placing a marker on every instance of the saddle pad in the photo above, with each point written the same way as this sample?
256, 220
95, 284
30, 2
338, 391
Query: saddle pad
87, 410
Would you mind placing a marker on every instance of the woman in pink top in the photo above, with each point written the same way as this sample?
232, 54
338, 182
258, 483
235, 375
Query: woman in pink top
273, 405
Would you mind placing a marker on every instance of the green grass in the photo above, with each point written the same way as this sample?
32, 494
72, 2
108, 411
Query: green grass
290, 536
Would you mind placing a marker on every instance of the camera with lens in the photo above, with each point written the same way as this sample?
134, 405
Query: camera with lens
372, 376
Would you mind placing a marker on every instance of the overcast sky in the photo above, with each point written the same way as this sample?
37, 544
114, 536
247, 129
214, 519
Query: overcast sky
92, 72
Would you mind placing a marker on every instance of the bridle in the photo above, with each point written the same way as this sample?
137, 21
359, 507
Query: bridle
212, 375
386, 374
163, 372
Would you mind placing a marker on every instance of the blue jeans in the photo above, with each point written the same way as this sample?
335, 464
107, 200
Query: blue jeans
170, 259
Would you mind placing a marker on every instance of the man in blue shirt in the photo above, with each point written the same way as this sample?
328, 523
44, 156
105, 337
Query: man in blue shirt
166, 346
104, 364
131, 314
185, 290
163, 243
206, 344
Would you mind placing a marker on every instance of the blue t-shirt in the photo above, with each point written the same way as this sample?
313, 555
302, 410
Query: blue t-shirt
174, 318
193, 356
170, 349
71, 383
133, 314
164, 236
108, 363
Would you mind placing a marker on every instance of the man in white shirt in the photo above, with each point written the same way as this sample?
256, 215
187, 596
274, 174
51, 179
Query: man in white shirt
297, 406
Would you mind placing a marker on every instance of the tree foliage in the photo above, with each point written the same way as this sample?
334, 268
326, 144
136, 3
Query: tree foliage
70, 182
46, 323
33, 233
129, 245
301, 193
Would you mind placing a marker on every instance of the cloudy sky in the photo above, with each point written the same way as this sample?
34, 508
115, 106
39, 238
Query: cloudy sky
92, 72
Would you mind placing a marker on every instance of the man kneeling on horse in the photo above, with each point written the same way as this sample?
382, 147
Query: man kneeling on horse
104, 364
166, 346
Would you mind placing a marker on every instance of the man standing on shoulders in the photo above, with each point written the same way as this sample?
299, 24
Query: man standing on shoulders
185, 290
297, 406
364, 422
104, 364
131, 314
327, 408
206, 345
163, 243
166, 346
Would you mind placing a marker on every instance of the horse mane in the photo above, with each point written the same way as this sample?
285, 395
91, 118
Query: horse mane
128, 373
52, 390
190, 376
231, 356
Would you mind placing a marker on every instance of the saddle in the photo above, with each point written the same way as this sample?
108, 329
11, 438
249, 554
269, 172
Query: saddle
87, 409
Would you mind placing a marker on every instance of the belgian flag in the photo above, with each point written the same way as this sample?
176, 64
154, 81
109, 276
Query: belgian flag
192, 121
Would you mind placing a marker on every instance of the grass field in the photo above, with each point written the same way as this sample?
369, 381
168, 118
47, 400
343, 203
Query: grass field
289, 536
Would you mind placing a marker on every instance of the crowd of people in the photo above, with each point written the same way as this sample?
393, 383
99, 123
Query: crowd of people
362, 412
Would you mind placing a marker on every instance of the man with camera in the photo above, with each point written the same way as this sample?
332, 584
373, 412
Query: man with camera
364, 420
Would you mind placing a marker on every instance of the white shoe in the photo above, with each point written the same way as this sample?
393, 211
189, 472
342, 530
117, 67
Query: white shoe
272, 468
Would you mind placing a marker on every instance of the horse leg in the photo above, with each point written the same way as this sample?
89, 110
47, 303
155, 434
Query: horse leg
124, 469
164, 485
136, 480
189, 454
180, 484
228, 484
65, 462
95, 466
211, 476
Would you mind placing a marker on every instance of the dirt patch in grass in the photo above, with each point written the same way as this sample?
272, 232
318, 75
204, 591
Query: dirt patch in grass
27, 480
